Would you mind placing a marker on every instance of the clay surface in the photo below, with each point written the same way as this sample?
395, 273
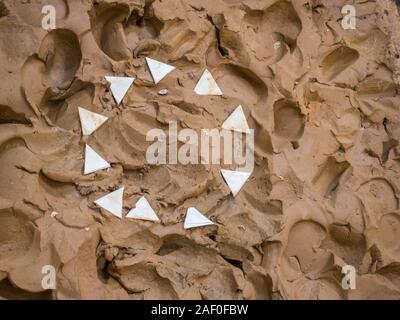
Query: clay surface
323, 102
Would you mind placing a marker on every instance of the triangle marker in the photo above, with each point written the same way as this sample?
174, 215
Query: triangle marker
90, 121
93, 162
207, 86
237, 121
158, 69
195, 219
119, 87
143, 211
112, 202
235, 180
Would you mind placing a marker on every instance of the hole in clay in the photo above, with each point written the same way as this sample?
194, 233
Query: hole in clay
3, 10
388, 232
346, 243
223, 52
327, 179
236, 263
140, 22
375, 86
289, 122
338, 60
119, 32
259, 28
169, 245
60, 51
107, 21
304, 254
241, 83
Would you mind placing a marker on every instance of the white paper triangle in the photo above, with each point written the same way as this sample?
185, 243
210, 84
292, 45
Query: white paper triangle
237, 121
143, 211
158, 69
235, 180
195, 219
90, 121
119, 87
207, 86
93, 162
112, 202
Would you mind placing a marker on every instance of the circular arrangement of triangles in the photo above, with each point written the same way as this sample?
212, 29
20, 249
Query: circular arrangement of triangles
94, 162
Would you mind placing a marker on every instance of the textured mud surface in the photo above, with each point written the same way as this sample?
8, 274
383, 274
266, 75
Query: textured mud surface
325, 190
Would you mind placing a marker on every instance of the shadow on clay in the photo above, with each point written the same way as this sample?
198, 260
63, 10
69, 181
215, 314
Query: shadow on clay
7, 115
8, 291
